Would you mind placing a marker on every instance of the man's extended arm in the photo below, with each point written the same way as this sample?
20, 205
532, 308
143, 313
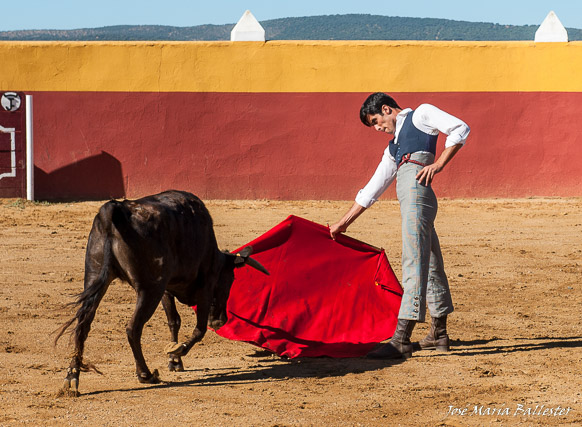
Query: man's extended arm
342, 225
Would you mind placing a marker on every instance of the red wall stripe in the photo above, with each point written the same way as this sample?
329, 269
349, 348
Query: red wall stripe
95, 145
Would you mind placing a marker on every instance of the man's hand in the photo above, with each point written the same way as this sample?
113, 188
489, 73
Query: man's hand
336, 229
427, 173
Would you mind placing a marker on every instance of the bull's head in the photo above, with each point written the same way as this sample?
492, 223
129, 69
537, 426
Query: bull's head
217, 316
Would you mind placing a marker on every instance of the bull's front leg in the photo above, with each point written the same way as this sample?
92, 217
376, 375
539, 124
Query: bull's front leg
182, 349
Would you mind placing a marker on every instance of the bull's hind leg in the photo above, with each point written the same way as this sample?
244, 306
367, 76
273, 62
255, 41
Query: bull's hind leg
89, 300
174, 322
96, 282
148, 298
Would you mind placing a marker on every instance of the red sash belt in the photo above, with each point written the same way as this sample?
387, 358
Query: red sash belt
406, 159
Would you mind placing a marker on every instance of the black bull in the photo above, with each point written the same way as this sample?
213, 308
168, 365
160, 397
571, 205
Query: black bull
164, 246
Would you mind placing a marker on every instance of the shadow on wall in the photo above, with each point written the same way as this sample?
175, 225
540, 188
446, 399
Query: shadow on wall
94, 178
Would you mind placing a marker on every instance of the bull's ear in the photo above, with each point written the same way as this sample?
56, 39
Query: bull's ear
239, 260
241, 257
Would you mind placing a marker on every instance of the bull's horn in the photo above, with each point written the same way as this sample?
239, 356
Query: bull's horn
256, 265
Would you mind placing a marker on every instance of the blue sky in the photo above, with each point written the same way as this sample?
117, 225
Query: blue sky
71, 14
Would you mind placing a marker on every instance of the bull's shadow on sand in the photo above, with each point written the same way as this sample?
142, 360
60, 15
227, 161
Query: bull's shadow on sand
269, 368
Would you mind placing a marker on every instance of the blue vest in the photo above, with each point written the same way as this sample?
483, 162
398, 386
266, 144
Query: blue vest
411, 140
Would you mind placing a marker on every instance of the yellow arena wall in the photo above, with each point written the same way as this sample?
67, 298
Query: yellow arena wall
280, 119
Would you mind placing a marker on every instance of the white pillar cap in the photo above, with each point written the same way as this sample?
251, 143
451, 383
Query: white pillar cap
248, 29
551, 30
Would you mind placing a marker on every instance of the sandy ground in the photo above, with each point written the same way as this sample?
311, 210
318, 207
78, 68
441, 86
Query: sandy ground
515, 267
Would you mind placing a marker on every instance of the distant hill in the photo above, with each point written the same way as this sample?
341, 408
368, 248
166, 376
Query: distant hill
327, 27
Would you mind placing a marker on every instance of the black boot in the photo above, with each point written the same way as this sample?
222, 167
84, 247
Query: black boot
399, 346
437, 337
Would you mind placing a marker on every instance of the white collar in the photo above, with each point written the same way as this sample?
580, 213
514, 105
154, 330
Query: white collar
400, 120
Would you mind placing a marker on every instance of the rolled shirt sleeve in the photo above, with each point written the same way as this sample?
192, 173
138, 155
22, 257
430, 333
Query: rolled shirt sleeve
380, 181
433, 120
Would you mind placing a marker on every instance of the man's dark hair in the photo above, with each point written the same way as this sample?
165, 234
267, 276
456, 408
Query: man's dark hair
373, 105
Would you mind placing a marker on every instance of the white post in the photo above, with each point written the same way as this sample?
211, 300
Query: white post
551, 30
247, 29
29, 151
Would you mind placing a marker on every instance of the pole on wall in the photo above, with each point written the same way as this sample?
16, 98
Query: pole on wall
29, 151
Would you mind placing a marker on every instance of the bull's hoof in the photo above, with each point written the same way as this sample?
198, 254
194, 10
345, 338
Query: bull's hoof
149, 378
216, 324
71, 384
175, 364
70, 388
176, 349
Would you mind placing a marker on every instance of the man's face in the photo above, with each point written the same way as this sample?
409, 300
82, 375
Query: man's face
385, 122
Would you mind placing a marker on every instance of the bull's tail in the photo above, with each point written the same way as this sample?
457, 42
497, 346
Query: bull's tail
95, 282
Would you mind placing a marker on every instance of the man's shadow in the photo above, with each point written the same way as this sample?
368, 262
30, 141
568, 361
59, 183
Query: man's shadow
482, 346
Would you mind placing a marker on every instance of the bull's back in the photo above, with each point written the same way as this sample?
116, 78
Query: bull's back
170, 233
169, 214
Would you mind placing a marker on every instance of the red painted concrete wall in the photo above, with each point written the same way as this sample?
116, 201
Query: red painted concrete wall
292, 146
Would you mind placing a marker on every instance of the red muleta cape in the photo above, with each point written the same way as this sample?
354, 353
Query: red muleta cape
323, 297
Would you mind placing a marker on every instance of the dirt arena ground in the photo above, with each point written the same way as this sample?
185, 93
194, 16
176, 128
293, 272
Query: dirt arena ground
515, 268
